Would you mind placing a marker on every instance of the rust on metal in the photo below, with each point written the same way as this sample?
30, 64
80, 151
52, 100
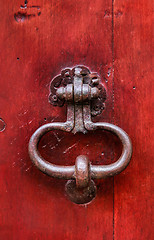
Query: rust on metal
82, 171
85, 97
82, 190
80, 195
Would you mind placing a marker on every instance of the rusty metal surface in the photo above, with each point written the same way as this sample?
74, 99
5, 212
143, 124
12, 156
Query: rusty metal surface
81, 190
81, 90
62, 82
82, 171
67, 172
80, 195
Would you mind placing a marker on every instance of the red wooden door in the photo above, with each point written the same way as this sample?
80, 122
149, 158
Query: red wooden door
39, 39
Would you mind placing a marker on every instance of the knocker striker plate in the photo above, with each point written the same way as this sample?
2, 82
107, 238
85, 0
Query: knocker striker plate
85, 97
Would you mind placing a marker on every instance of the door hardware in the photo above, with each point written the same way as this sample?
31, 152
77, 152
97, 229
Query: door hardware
85, 97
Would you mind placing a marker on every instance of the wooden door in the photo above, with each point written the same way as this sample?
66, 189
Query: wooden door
38, 40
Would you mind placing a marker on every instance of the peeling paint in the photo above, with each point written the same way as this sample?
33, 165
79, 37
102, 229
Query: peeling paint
26, 12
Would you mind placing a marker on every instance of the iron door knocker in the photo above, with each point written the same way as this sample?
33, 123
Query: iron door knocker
85, 97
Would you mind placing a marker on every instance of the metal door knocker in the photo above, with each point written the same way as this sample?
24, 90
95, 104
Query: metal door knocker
85, 97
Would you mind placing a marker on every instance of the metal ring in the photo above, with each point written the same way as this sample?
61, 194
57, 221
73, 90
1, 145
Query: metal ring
68, 172
82, 171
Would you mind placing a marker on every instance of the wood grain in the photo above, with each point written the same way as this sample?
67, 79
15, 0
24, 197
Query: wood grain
36, 43
133, 110
113, 38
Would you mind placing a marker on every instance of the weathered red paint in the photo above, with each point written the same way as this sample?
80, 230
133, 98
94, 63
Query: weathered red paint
33, 50
133, 110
